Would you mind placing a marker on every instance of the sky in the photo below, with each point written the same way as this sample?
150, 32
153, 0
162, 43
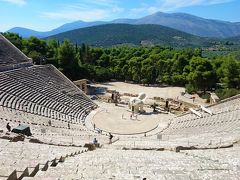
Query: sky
45, 15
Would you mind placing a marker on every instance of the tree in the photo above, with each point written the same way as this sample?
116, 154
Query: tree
102, 74
202, 75
52, 46
84, 53
68, 59
135, 68
36, 49
104, 60
147, 70
231, 72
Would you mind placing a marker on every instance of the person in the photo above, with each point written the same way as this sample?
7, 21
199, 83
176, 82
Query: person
133, 110
94, 126
154, 107
112, 96
8, 127
49, 123
110, 138
167, 106
68, 125
95, 141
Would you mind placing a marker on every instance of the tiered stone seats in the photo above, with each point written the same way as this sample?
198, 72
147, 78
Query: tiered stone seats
229, 104
27, 91
44, 98
54, 108
209, 131
58, 132
138, 164
24, 159
10, 56
226, 117
224, 155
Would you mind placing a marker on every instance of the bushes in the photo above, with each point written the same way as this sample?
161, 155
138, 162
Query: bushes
190, 88
226, 93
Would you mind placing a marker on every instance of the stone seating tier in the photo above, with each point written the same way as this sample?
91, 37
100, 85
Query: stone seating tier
25, 90
21, 156
138, 164
10, 55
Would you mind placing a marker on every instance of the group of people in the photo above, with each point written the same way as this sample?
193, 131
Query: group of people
96, 143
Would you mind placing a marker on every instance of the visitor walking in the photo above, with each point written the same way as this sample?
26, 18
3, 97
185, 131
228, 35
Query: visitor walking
110, 138
8, 127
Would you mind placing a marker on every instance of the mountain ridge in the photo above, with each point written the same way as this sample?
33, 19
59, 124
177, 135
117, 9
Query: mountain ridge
180, 21
118, 34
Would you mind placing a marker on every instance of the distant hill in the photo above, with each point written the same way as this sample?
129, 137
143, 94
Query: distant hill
24, 32
74, 25
180, 21
234, 39
116, 34
193, 24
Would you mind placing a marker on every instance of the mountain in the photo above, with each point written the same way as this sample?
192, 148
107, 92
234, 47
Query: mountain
74, 25
193, 24
117, 34
179, 21
24, 32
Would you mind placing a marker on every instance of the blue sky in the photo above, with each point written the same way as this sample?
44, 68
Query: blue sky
43, 15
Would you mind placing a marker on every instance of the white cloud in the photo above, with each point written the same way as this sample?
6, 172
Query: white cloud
172, 5
100, 9
78, 15
17, 2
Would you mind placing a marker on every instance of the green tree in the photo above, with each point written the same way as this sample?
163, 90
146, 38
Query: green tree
202, 75
231, 73
36, 49
52, 46
104, 60
68, 59
147, 71
135, 68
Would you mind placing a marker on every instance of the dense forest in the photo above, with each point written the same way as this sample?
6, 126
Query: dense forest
146, 65
109, 35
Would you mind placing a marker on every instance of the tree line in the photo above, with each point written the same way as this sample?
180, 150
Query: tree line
146, 65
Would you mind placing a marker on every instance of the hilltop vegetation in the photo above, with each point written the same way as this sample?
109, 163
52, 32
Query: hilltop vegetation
147, 65
117, 34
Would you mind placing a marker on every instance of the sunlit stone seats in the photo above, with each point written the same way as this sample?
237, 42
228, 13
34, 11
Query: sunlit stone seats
22, 155
23, 89
226, 116
137, 164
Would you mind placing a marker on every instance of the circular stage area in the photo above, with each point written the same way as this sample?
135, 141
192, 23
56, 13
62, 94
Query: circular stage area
117, 120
